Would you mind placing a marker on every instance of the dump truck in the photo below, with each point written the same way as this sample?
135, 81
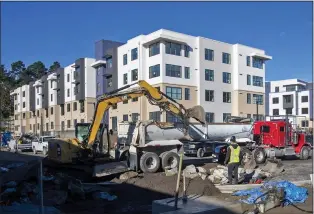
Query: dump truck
145, 152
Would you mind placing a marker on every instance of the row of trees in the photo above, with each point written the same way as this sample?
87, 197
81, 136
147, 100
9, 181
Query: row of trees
16, 75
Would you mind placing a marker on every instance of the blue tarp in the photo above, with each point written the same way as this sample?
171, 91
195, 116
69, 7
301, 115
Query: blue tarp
293, 193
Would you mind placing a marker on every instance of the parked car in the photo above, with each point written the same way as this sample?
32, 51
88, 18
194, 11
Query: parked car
21, 143
40, 144
201, 148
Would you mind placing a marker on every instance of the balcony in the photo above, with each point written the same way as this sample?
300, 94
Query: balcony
14, 92
163, 35
52, 77
261, 56
38, 83
99, 63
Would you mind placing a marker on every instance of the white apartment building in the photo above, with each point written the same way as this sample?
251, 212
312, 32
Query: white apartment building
223, 78
293, 97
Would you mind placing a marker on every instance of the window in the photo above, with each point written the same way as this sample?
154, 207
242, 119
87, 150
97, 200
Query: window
23, 115
291, 88
173, 70
265, 129
109, 82
62, 109
134, 54
47, 126
82, 120
37, 89
276, 89
37, 113
209, 54
62, 125
98, 87
209, 75
226, 97
248, 79
68, 107
226, 58
173, 48
51, 110
174, 92
51, 97
289, 111
154, 71
155, 115
15, 97
51, 125
51, 84
304, 99
68, 77
258, 81
74, 122
258, 98
154, 49
125, 117
226, 77
248, 61
225, 116
30, 126
23, 93
135, 99
16, 117
74, 106
287, 98
282, 128
109, 62
186, 51
170, 118
125, 59
248, 115
248, 98
258, 63
305, 110
68, 92
186, 72
275, 100
209, 95
38, 125
114, 123
16, 106
125, 101
187, 94
23, 104
210, 117
125, 79
82, 106
275, 112
114, 106
135, 117
304, 123
134, 74
68, 123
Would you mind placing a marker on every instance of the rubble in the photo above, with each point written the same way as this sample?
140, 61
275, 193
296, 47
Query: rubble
128, 175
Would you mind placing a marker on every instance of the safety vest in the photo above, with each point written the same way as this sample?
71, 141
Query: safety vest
235, 155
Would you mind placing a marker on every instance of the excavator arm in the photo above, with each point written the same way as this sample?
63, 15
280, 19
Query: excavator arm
154, 96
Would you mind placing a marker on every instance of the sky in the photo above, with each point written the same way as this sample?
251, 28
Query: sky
65, 31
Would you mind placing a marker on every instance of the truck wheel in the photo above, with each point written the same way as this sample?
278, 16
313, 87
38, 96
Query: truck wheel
170, 160
247, 155
259, 155
45, 151
305, 153
200, 153
149, 162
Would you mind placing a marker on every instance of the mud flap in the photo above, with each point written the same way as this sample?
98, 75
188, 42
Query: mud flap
102, 170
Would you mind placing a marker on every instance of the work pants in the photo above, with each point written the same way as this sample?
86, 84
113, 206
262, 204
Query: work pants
233, 170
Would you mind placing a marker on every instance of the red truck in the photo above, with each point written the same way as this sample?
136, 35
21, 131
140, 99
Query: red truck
274, 138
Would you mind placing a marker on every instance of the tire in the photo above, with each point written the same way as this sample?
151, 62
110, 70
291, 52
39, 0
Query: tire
200, 153
259, 155
248, 153
149, 162
305, 153
170, 160
45, 151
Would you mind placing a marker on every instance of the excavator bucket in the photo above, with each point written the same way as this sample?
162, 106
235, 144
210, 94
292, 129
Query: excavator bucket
197, 112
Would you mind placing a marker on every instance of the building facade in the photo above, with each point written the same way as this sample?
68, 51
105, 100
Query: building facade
293, 97
225, 79
57, 101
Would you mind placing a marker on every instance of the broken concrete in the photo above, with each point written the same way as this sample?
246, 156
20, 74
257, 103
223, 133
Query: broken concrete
128, 175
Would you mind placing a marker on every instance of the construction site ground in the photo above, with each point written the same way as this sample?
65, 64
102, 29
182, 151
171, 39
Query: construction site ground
135, 195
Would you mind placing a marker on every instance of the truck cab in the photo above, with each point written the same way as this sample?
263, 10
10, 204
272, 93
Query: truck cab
40, 144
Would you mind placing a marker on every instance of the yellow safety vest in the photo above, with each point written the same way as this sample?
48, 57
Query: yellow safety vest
235, 155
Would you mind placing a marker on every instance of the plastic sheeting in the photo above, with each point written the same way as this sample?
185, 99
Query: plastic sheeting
293, 193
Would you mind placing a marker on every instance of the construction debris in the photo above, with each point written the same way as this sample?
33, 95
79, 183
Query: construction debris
128, 175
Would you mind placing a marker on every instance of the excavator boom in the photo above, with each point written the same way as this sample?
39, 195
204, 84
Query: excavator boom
154, 96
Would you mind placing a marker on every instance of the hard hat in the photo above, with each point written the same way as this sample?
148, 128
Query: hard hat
233, 139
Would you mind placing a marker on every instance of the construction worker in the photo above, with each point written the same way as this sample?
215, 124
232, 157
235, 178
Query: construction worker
233, 159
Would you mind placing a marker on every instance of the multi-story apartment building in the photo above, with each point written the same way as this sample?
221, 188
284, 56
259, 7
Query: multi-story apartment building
106, 66
293, 97
225, 79
57, 101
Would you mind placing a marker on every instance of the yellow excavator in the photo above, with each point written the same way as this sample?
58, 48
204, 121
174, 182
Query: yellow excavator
143, 151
